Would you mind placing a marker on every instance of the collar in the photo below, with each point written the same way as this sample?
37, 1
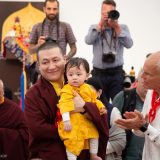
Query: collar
49, 22
56, 87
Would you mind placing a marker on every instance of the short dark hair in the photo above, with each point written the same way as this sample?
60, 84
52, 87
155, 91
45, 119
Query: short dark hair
109, 2
97, 84
48, 45
76, 62
51, 1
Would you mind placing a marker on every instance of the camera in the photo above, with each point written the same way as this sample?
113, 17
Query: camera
113, 15
127, 82
109, 57
49, 39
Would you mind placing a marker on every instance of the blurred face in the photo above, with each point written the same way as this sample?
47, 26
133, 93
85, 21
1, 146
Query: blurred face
76, 76
151, 75
105, 10
51, 64
51, 10
141, 89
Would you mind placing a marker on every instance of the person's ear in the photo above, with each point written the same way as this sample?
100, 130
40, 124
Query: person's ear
38, 65
44, 9
99, 93
87, 76
65, 58
1, 89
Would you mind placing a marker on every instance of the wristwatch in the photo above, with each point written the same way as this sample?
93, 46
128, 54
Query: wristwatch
144, 127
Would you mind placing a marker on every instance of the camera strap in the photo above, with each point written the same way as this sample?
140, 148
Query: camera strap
113, 39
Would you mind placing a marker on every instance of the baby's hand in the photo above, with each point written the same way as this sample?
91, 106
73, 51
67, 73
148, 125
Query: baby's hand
103, 111
67, 126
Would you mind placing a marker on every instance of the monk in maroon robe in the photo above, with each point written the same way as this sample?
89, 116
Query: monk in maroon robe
41, 109
13, 130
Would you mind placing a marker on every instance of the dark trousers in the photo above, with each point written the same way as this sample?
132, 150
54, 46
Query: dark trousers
111, 79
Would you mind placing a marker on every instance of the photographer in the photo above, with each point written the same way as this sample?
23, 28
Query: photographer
51, 28
109, 39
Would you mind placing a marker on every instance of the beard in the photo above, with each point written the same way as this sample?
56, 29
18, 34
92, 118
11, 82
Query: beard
52, 16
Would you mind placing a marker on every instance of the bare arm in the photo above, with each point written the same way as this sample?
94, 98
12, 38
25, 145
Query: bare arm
33, 47
72, 52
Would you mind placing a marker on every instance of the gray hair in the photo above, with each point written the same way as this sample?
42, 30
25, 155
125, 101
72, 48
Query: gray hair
155, 57
140, 74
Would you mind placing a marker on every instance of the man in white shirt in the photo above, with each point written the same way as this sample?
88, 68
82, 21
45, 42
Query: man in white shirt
147, 123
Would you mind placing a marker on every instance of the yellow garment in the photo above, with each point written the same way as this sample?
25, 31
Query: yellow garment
132, 73
56, 88
2, 100
82, 128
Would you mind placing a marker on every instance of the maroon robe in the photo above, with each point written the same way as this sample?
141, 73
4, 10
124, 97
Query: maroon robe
40, 113
13, 132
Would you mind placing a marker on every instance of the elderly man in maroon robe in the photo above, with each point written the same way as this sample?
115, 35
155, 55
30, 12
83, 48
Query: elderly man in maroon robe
41, 109
13, 130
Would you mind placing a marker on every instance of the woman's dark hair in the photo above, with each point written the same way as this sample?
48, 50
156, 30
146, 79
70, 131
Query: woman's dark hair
8, 93
96, 83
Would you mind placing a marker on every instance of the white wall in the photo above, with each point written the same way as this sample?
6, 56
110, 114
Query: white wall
141, 16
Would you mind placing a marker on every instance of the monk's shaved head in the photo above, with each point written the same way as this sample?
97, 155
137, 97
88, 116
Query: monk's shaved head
151, 72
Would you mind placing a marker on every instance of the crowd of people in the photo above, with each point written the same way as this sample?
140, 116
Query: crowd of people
70, 114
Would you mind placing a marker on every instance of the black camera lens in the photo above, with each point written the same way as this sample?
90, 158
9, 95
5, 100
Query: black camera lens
114, 15
109, 57
49, 39
127, 82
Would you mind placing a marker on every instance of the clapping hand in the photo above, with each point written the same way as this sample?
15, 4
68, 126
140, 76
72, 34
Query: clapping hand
134, 120
103, 111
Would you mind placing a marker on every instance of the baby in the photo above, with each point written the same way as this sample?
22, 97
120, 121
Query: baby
76, 129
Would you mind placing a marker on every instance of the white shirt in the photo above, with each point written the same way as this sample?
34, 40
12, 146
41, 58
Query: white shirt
117, 144
151, 149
